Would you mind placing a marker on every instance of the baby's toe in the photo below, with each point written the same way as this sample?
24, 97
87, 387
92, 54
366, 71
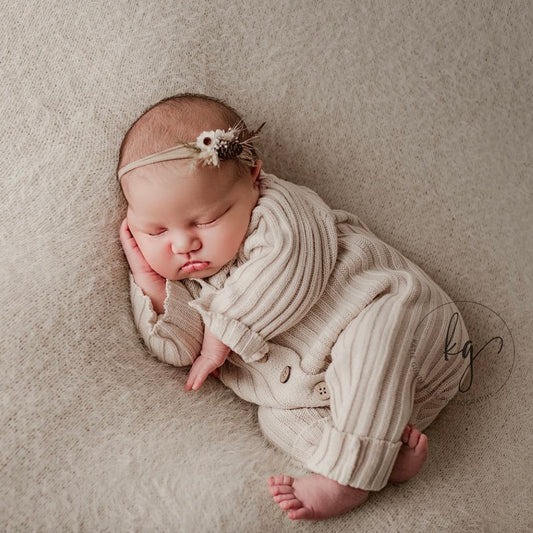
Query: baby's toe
280, 480
406, 433
303, 513
283, 497
295, 503
414, 437
422, 445
281, 485
281, 489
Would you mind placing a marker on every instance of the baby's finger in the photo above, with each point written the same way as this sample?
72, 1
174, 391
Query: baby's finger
136, 260
124, 232
126, 238
195, 383
198, 374
191, 380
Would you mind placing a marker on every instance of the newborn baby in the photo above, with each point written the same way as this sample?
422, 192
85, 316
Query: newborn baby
297, 307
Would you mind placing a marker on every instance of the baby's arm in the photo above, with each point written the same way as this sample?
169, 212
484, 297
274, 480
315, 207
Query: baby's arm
170, 328
151, 283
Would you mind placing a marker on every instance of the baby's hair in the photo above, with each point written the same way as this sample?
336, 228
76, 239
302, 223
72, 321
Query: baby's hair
176, 119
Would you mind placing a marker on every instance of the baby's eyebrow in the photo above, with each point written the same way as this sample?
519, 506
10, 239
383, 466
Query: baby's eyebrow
143, 223
216, 208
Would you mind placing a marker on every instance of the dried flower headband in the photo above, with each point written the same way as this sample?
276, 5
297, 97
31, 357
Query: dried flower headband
210, 148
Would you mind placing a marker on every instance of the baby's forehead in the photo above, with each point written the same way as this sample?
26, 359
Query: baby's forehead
182, 176
183, 125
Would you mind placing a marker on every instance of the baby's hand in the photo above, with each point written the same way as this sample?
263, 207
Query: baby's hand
212, 355
138, 264
152, 284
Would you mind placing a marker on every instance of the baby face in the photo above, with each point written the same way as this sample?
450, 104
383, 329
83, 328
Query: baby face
190, 220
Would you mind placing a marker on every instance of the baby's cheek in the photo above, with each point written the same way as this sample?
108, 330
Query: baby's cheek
153, 254
143, 247
228, 243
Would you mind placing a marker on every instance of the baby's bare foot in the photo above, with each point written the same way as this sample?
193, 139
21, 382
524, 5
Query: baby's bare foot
314, 497
412, 456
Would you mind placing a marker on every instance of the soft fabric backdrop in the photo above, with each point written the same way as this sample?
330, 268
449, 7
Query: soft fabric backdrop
415, 115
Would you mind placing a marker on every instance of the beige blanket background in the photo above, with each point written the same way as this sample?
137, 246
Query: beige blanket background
415, 115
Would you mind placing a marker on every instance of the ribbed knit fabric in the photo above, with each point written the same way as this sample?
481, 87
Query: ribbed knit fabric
284, 265
175, 337
337, 336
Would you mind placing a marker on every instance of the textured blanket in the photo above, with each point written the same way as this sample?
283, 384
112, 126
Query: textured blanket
417, 116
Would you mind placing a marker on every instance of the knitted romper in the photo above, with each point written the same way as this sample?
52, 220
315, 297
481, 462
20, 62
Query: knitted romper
336, 336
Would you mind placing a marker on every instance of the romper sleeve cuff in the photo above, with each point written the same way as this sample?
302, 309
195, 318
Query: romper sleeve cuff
176, 309
248, 344
175, 337
360, 462
144, 315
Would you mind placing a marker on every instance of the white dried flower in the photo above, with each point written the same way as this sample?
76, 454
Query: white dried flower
206, 144
209, 143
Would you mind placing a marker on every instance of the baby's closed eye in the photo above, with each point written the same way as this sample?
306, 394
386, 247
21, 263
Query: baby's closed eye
205, 224
213, 220
156, 232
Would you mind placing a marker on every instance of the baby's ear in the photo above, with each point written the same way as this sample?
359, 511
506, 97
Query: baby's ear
256, 169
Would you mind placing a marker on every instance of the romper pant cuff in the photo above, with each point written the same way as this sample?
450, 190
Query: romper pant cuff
360, 462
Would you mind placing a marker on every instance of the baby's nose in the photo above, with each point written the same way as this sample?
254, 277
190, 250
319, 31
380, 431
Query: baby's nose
185, 244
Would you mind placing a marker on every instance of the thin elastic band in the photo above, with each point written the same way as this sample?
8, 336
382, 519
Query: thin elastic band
181, 151
210, 147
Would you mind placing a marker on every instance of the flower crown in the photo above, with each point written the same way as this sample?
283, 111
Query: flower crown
210, 148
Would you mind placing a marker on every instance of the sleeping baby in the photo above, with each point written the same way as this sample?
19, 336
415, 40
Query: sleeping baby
296, 307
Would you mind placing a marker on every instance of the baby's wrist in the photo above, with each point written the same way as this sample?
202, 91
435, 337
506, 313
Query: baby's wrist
155, 289
149, 280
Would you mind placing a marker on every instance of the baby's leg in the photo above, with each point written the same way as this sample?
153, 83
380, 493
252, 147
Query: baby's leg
378, 380
312, 497
316, 497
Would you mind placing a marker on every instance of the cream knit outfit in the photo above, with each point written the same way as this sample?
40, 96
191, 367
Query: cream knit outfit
334, 334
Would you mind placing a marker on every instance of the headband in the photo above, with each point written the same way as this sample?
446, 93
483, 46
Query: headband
210, 148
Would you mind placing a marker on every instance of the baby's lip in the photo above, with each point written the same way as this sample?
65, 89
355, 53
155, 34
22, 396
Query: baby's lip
194, 266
